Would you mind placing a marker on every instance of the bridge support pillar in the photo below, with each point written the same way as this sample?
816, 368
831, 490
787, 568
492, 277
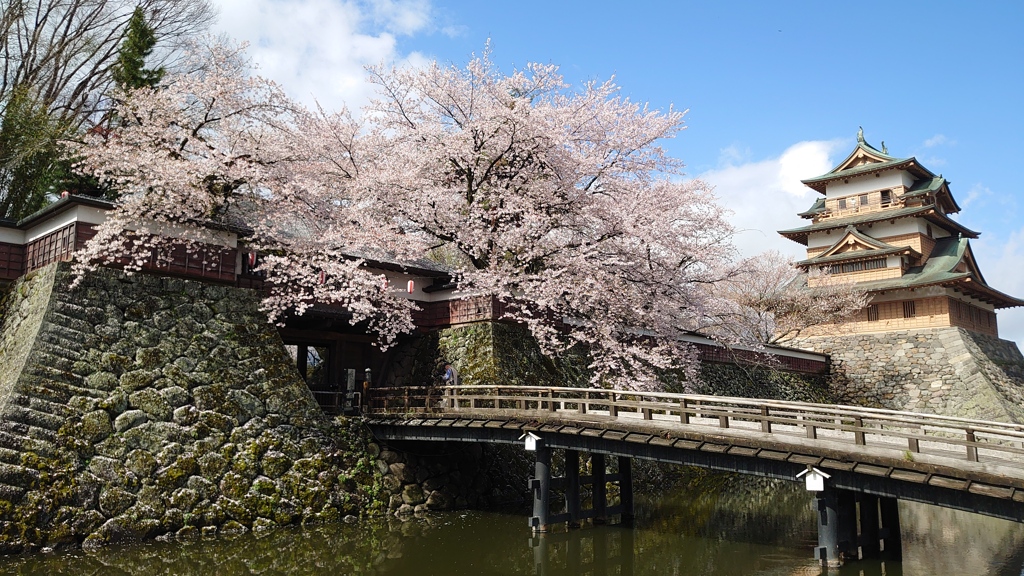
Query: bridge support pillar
867, 505
572, 487
600, 488
837, 527
892, 545
626, 489
541, 485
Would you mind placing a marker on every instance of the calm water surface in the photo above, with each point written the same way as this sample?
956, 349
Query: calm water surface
767, 531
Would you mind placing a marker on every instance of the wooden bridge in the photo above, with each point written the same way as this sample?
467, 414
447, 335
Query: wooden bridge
872, 457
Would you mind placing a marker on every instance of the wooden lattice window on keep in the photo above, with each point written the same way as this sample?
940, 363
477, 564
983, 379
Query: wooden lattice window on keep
909, 309
873, 313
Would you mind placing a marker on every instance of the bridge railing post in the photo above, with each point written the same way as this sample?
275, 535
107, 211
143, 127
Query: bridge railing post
972, 451
684, 414
613, 410
582, 406
766, 424
858, 430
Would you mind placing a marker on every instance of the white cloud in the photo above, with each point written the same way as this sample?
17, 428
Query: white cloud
316, 49
766, 196
1001, 260
938, 140
978, 191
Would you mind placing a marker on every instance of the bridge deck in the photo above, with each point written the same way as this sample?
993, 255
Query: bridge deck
859, 445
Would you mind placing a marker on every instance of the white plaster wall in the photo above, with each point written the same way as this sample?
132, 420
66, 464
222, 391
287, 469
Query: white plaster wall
886, 228
868, 183
12, 235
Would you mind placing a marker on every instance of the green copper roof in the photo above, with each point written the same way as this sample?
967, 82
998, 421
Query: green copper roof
928, 186
878, 250
863, 169
939, 269
855, 255
817, 208
881, 216
925, 185
885, 162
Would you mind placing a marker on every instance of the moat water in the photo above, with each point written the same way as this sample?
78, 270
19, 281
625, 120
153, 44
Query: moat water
760, 531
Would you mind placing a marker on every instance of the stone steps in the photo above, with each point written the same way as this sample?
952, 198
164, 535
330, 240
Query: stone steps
18, 442
12, 494
33, 417
15, 475
50, 357
63, 339
29, 431
68, 322
58, 409
58, 391
9, 456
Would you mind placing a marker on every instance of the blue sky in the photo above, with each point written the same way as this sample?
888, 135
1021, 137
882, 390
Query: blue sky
776, 90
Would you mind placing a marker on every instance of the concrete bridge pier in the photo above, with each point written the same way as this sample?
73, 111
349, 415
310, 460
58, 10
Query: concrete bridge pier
856, 526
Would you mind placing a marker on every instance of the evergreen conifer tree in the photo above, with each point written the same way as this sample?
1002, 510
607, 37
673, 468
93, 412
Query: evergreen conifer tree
130, 71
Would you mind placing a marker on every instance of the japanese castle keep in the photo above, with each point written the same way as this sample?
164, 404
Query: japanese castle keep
928, 339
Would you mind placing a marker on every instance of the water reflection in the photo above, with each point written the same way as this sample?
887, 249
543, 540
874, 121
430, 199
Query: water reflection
597, 552
764, 530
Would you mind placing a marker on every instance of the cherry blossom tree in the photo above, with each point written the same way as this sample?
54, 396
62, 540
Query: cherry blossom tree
773, 302
558, 201
218, 147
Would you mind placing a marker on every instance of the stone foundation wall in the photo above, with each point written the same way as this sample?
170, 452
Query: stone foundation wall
484, 353
429, 476
765, 381
948, 371
134, 407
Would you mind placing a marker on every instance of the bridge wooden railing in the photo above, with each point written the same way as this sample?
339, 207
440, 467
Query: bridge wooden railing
912, 432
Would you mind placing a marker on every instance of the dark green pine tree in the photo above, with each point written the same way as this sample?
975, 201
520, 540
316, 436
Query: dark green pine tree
130, 71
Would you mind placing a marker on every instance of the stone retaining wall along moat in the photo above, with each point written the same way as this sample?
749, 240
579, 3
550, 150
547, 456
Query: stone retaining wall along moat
948, 371
135, 407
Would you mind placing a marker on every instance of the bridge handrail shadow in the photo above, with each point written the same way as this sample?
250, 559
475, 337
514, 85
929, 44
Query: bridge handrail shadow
861, 426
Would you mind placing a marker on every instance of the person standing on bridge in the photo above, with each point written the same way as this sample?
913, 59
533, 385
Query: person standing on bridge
450, 376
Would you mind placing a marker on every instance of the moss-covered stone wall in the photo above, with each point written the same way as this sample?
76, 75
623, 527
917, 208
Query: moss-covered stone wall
484, 353
762, 381
139, 406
